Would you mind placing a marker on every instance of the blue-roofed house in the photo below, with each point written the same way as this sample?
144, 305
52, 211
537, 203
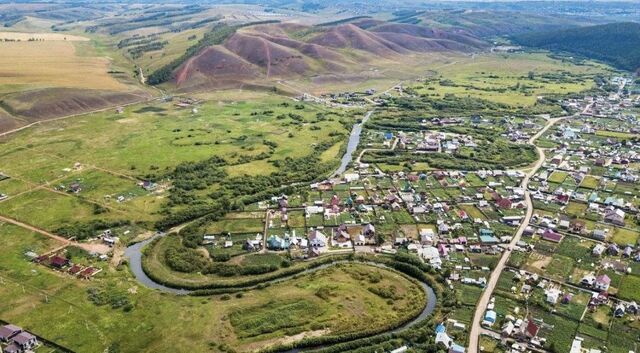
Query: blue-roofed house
276, 243
441, 328
487, 236
388, 135
489, 318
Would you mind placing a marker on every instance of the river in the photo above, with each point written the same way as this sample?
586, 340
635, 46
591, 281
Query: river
352, 145
134, 255
134, 252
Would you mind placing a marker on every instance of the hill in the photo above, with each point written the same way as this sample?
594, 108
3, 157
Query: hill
487, 23
615, 43
242, 54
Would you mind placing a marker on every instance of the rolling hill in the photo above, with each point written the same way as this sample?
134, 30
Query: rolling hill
617, 44
283, 50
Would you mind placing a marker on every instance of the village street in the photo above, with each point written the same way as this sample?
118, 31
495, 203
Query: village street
476, 329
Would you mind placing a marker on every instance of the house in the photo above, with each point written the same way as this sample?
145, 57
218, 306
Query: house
576, 345
508, 328
149, 185
8, 331
489, 318
615, 217
598, 250
553, 295
25, 341
59, 262
530, 330
577, 226
504, 203
588, 280
369, 231
602, 283
426, 236
599, 234
552, 236
599, 299
317, 239
619, 310
277, 243
633, 308
12, 348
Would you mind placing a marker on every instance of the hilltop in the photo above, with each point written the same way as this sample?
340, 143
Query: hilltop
285, 50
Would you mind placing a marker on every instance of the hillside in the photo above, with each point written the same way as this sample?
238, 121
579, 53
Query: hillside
285, 50
487, 23
616, 43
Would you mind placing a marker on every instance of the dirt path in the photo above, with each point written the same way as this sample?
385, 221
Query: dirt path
97, 248
35, 229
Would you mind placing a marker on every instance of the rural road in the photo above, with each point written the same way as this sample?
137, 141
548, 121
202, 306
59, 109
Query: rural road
97, 248
476, 329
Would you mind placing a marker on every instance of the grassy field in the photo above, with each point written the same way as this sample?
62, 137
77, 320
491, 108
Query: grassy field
504, 78
33, 296
28, 65
117, 150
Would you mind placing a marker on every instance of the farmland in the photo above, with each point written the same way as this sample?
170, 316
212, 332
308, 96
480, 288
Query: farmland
52, 63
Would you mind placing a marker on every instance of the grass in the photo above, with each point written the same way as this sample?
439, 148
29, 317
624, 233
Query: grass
28, 65
487, 74
590, 182
625, 236
623, 135
289, 317
32, 295
50, 211
630, 288
558, 177
153, 140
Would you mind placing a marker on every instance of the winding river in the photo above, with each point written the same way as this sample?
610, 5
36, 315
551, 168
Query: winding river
134, 254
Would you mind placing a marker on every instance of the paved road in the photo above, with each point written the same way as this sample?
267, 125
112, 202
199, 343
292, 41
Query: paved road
476, 329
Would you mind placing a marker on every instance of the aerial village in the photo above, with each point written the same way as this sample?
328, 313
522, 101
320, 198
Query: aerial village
577, 263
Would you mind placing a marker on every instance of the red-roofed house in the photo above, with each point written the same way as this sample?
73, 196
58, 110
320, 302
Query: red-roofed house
550, 235
504, 203
602, 283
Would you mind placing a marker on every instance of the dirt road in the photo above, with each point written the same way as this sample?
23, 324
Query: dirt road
476, 329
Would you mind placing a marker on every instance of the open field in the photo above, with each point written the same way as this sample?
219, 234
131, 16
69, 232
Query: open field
504, 78
28, 65
33, 295
40, 36
115, 151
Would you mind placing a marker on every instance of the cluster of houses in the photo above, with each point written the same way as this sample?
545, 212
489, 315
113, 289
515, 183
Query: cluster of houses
444, 340
16, 340
522, 332
317, 241
60, 263
430, 141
